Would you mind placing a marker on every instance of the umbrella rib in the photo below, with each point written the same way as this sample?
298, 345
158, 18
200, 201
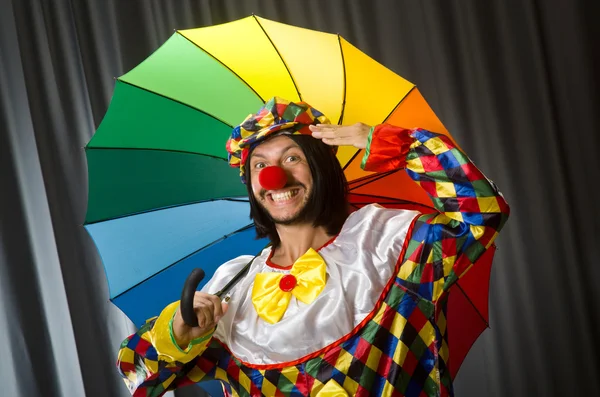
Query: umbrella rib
344, 70
364, 178
280, 57
376, 196
351, 159
185, 257
163, 208
393, 200
153, 149
225, 66
178, 101
372, 175
236, 200
474, 307
398, 104
373, 179
344, 102
385, 203
344, 105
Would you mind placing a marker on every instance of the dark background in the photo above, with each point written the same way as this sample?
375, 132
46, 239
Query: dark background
514, 81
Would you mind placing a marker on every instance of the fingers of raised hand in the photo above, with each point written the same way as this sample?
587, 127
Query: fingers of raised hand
326, 131
338, 135
208, 309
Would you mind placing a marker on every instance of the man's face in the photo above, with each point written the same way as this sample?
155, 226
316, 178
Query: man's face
285, 205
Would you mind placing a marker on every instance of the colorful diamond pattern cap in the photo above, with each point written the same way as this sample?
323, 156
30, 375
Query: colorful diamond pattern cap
276, 116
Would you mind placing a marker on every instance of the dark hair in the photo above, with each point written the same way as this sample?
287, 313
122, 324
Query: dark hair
328, 202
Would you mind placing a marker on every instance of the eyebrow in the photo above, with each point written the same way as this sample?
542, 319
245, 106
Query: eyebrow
291, 146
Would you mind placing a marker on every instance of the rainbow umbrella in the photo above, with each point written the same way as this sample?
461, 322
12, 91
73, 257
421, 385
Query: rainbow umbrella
162, 198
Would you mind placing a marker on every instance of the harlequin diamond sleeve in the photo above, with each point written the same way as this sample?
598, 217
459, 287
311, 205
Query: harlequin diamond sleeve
150, 361
471, 210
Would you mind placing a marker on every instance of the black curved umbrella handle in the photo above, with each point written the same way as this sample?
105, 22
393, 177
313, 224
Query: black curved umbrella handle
187, 297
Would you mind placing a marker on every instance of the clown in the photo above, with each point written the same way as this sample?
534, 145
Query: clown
340, 303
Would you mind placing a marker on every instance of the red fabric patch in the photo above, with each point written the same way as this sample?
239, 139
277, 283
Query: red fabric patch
504, 208
305, 130
462, 264
427, 275
488, 234
385, 363
309, 381
429, 187
254, 390
410, 362
362, 350
233, 369
303, 118
204, 364
388, 317
126, 367
417, 319
142, 347
388, 148
448, 247
332, 355
468, 204
301, 384
417, 253
280, 109
361, 391
472, 172
431, 163
244, 157
185, 381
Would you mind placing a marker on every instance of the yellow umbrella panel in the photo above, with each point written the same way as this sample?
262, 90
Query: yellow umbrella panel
328, 72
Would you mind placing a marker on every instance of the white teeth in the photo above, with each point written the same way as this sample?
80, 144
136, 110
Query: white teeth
282, 196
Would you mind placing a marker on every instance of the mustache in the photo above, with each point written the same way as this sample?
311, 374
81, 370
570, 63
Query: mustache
263, 192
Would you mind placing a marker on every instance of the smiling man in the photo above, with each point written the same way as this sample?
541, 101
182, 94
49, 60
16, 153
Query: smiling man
285, 205
295, 216
341, 303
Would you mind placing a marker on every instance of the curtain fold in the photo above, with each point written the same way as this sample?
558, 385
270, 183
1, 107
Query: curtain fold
516, 83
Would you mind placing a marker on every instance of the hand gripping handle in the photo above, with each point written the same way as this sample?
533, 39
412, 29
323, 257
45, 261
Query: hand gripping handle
187, 297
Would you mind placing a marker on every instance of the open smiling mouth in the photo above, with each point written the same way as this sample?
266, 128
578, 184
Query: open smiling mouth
282, 197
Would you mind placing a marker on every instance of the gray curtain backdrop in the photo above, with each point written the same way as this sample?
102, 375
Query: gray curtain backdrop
515, 81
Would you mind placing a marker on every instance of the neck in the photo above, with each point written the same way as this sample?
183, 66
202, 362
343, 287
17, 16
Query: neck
296, 240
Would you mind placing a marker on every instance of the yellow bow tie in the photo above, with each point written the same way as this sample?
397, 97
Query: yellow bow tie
272, 292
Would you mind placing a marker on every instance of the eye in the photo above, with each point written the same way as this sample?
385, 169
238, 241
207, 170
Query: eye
291, 159
260, 165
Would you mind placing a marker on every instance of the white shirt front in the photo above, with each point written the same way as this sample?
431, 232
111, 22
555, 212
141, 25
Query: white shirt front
360, 263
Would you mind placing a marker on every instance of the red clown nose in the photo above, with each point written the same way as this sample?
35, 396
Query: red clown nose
272, 178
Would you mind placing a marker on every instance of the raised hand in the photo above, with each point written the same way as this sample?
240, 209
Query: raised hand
208, 308
338, 135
